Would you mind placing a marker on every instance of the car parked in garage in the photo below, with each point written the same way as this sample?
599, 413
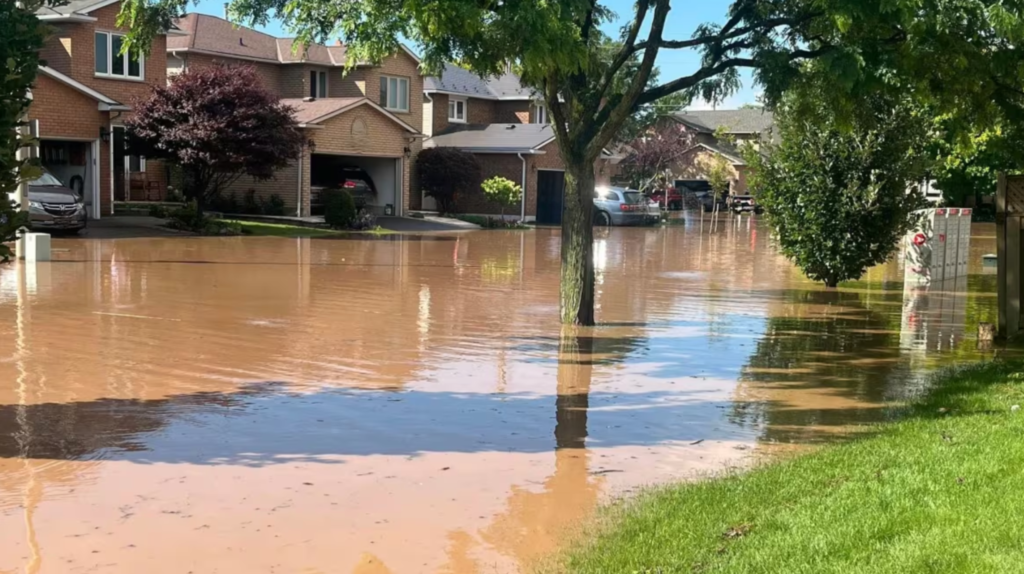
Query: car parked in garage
352, 179
621, 206
54, 206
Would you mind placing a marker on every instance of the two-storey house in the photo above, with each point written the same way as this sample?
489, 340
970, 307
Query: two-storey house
506, 126
83, 92
368, 118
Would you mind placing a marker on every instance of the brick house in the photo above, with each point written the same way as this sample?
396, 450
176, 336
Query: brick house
81, 96
506, 126
369, 118
741, 126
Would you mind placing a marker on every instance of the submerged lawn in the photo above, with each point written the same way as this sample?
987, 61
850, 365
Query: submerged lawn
940, 490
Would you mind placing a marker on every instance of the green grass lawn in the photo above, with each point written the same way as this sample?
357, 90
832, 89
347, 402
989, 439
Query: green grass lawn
939, 490
281, 230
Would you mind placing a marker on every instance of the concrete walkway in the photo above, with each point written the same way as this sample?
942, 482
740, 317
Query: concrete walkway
427, 224
127, 226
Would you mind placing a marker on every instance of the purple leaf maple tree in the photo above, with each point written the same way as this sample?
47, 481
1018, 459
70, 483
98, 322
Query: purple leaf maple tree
217, 124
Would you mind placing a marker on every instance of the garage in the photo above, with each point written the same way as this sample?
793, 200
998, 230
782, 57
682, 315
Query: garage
374, 181
550, 196
72, 163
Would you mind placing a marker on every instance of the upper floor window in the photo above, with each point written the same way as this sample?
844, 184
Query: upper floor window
457, 110
394, 93
110, 62
540, 115
317, 84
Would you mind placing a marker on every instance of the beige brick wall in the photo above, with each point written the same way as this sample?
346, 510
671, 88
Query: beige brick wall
284, 184
366, 82
693, 165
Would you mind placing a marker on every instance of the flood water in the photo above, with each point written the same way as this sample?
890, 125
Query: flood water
410, 404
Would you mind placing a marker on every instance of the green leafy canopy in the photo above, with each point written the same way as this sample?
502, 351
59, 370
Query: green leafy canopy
840, 197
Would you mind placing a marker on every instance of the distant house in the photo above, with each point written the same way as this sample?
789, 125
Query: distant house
752, 126
369, 118
506, 125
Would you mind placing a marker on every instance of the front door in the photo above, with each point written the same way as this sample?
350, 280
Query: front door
120, 193
550, 192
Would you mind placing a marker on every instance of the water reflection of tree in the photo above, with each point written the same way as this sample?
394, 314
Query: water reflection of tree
828, 352
534, 522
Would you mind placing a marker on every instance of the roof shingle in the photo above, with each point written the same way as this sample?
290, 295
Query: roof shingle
458, 80
745, 121
508, 138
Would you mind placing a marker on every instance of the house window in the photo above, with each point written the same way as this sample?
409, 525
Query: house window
318, 84
394, 93
457, 110
111, 63
540, 116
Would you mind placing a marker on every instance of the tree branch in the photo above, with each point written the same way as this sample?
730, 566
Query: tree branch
627, 49
706, 72
611, 117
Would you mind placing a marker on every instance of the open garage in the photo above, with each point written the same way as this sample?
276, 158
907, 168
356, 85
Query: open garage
72, 163
373, 180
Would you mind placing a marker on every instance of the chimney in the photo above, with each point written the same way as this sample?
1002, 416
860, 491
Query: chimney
226, 11
338, 42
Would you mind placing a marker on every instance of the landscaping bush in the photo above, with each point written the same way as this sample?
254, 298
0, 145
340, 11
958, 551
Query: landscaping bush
158, 211
274, 205
447, 173
190, 218
364, 221
339, 208
503, 192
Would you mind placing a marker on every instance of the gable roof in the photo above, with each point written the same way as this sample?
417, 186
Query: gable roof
212, 35
747, 121
495, 138
106, 103
79, 10
309, 112
462, 82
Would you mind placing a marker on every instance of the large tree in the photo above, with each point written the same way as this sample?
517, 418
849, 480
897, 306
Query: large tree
558, 46
218, 124
21, 37
840, 196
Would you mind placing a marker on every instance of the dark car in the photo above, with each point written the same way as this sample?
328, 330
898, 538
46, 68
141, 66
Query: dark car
352, 179
55, 207
707, 201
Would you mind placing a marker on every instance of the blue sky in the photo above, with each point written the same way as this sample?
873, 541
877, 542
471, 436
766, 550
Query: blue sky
684, 17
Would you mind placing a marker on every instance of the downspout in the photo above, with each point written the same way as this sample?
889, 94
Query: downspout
522, 213
298, 190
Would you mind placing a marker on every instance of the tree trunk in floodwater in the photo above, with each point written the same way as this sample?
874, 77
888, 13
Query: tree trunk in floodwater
577, 278
575, 370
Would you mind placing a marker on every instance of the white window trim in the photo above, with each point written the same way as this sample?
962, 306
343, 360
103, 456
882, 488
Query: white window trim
539, 110
465, 110
110, 60
408, 94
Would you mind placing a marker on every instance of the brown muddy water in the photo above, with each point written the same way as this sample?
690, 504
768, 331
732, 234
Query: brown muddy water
409, 404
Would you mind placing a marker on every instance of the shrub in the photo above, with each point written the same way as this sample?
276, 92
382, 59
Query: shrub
274, 205
250, 204
158, 211
502, 191
447, 173
837, 198
339, 208
190, 218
